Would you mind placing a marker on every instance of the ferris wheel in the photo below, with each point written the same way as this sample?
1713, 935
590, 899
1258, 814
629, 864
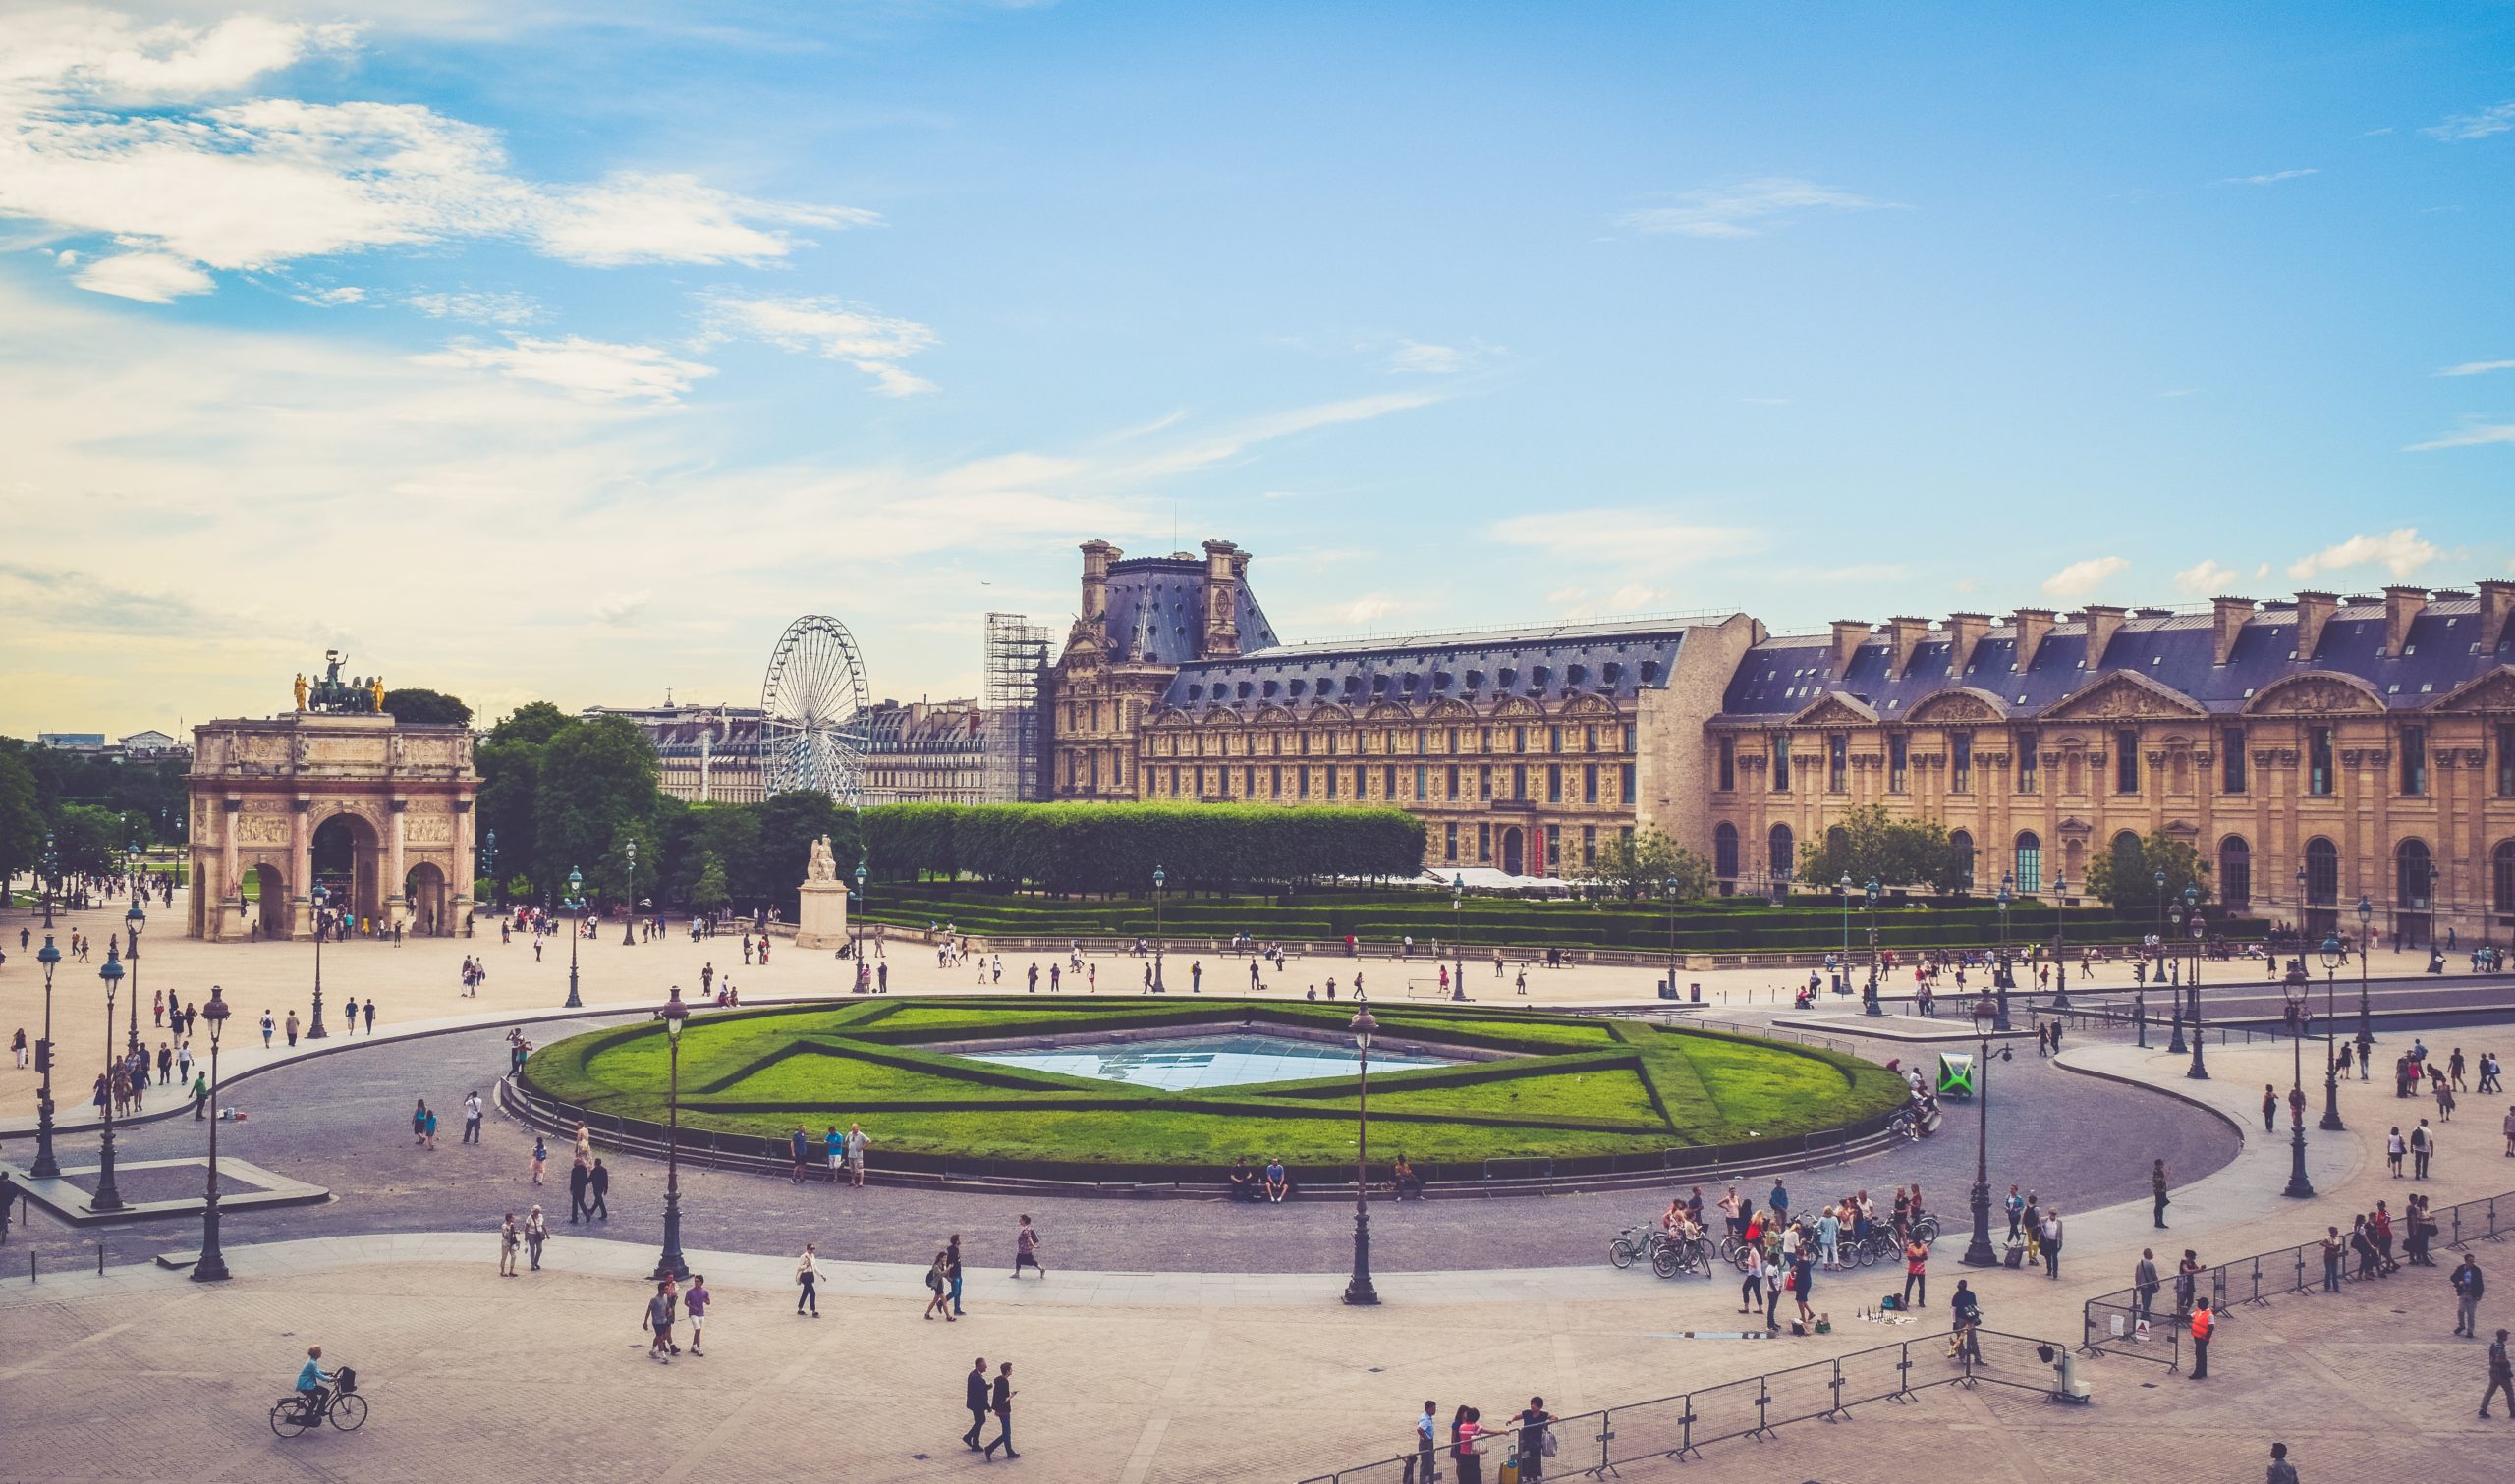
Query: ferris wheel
814, 703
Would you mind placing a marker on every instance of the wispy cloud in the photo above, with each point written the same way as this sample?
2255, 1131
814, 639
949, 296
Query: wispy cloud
1432, 360
2479, 123
2181, 391
2472, 435
596, 370
155, 278
2207, 578
2079, 579
2399, 553
872, 343
1746, 208
2476, 368
479, 309
2271, 179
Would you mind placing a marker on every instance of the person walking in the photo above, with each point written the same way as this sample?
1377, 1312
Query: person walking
2144, 1283
369, 1010
2281, 1470
269, 1024
696, 1301
2156, 1193
427, 1131
660, 1318
2269, 1108
2394, 1148
509, 1238
952, 1272
537, 1231
1026, 1247
471, 1125
200, 1095
2422, 1148
1000, 1402
580, 1177
807, 1276
598, 1188
348, 1015
2203, 1324
292, 1027
2468, 1287
2501, 1378
541, 1159
1751, 1291
938, 1286
974, 1395
2015, 1205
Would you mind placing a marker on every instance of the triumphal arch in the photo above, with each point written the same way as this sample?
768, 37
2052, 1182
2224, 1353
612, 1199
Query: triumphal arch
338, 795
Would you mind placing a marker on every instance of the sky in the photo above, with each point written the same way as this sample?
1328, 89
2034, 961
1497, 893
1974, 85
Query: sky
527, 349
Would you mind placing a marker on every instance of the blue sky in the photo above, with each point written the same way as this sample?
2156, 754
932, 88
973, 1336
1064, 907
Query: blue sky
543, 350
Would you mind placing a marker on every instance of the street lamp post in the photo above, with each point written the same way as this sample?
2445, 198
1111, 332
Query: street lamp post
2299, 1187
134, 923
1875, 1006
575, 902
1358, 1289
2061, 940
321, 896
45, 1166
1979, 1253
212, 1267
51, 878
1160, 879
856, 925
629, 917
108, 1197
2332, 953
2175, 1046
1669, 886
489, 868
1458, 944
1999, 979
1843, 974
2366, 1014
2199, 1071
675, 1015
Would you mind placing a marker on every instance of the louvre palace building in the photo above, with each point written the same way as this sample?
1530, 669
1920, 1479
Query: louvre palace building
2315, 750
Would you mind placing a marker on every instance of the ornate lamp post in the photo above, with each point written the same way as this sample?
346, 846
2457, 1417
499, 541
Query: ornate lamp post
1843, 887
51, 878
1160, 878
1669, 886
2175, 1046
1876, 1007
45, 1166
315, 1030
856, 925
212, 1267
1358, 1289
108, 1197
1458, 944
2060, 941
2333, 953
2299, 1187
2366, 1014
629, 917
574, 903
2195, 924
134, 923
1979, 1253
1999, 979
489, 868
675, 1015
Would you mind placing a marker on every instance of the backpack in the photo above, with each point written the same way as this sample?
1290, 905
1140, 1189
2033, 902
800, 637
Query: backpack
934, 1281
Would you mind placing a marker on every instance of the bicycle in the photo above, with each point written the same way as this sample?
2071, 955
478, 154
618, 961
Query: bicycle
342, 1407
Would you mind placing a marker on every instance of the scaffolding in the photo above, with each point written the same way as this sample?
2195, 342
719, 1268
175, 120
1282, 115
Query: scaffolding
1017, 652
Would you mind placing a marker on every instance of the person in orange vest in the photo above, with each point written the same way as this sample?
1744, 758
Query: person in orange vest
2202, 1323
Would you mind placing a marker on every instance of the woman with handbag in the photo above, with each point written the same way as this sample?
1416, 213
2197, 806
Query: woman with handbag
1536, 1440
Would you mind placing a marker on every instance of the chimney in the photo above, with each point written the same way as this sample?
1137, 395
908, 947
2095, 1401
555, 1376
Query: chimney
1222, 603
1096, 557
2401, 606
1963, 631
2103, 620
1904, 635
2314, 609
1849, 636
2033, 625
2497, 600
2227, 618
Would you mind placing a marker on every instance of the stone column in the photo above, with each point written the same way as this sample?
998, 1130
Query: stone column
301, 870
229, 814
395, 871
463, 872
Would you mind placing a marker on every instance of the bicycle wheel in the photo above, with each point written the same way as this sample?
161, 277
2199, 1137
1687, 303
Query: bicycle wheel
1729, 1249
1620, 1253
349, 1413
287, 1418
1664, 1263
1700, 1257
1927, 1229
1865, 1254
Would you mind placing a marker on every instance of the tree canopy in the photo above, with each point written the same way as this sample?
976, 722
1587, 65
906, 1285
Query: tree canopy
1871, 844
1643, 863
421, 706
2125, 877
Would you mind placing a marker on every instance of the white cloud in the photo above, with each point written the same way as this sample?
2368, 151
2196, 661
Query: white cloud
2181, 391
495, 309
2472, 435
872, 343
330, 298
1746, 208
2479, 123
2400, 554
2476, 368
1626, 537
2207, 578
2080, 579
152, 277
2272, 179
594, 369
102, 134
1431, 359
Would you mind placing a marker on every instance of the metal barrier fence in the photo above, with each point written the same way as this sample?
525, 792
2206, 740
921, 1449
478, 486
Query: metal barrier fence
2156, 1327
1683, 1426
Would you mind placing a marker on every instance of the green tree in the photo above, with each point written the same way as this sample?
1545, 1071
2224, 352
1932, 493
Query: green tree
509, 756
91, 840
421, 706
1642, 865
20, 819
2125, 877
1871, 844
789, 823
710, 893
595, 792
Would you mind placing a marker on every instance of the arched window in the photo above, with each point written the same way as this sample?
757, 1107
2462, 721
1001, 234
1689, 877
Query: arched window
2030, 863
2128, 840
2322, 873
2415, 873
2235, 871
1962, 842
2502, 868
1724, 852
1781, 845
1837, 851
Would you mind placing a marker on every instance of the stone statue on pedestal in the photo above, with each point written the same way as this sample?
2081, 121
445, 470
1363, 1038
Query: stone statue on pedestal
825, 864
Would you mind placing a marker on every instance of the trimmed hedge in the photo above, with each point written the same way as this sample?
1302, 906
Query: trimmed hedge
1110, 847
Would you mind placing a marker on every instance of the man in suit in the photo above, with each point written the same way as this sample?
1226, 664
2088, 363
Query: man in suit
976, 1398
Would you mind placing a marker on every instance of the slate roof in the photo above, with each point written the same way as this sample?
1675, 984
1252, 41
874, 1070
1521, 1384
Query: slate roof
1613, 660
1783, 675
1156, 611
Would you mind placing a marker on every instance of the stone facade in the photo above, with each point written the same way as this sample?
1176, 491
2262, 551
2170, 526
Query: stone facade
380, 812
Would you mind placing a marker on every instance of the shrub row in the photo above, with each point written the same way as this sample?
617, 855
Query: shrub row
1112, 846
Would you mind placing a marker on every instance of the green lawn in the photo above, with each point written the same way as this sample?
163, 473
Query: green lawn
1568, 1085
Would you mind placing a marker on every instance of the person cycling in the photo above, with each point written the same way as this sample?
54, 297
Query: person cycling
312, 1382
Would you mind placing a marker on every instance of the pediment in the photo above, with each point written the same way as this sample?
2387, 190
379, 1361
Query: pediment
2493, 691
2315, 692
1588, 706
1837, 709
1272, 715
1389, 711
1451, 709
1517, 706
2125, 695
1223, 716
1960, 703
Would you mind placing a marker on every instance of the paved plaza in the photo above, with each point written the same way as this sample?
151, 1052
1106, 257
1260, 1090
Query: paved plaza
1172, 1339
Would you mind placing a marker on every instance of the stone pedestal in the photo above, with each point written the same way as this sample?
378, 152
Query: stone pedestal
822, 922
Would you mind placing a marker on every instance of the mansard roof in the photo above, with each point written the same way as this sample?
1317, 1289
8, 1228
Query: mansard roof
1611, 661
1156, 612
